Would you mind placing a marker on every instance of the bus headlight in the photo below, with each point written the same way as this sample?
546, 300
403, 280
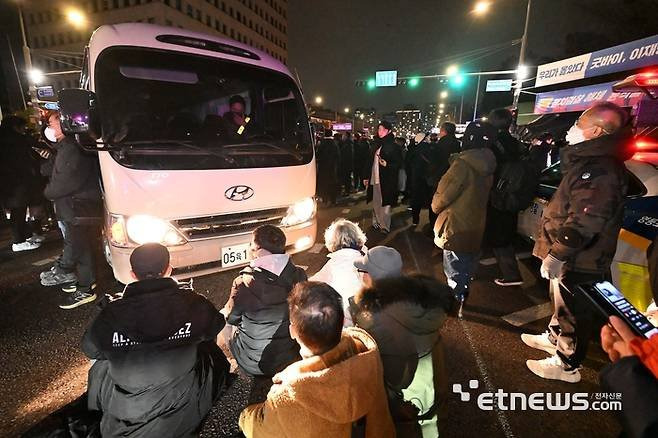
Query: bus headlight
148, 229
300, 212
129, 231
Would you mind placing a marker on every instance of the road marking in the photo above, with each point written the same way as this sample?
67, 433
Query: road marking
531, 314
492, 260
315, 249
482, 368
346, 210
44, 261
488, 262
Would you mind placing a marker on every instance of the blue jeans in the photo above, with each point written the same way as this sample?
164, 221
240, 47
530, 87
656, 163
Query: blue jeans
459, 268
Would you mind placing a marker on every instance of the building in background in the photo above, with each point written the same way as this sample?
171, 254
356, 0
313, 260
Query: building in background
429, 117
408, 121
57, 45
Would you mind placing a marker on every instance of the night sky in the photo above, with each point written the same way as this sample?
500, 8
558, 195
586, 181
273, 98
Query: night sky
332, 44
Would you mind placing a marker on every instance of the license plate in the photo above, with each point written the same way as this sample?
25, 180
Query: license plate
235, 255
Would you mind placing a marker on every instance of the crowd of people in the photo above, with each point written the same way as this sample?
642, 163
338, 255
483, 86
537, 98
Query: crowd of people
354, 350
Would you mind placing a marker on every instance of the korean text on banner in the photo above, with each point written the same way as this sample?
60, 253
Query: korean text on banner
629, 56
579, 99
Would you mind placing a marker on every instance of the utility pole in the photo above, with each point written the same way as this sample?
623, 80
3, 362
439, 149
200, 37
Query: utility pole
521, 66
477, 95
26, 49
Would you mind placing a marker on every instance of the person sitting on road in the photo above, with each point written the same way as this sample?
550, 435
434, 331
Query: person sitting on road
158, 369
345, 242
336, 390
257, 310
404, 315
634, 373
379, 263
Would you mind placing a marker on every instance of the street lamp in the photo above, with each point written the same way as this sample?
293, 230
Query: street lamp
524, 42
442, 105
347, 109
318, 100
444, 94
481, 7
452, 70
35, 76
76, 18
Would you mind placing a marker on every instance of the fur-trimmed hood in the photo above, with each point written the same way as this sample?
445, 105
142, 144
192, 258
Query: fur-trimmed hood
404, 315
415, 289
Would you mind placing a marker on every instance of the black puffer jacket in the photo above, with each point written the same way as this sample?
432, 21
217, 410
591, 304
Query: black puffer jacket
152, 377
581, 223
74, 182
258, 306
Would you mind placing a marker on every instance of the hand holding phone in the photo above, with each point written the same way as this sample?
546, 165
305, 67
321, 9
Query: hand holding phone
616, 339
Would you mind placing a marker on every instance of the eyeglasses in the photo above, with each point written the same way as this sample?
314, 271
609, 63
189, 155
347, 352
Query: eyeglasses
591, 127
361, 271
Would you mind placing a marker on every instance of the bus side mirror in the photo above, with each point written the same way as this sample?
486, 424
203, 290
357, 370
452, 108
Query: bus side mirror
78, 112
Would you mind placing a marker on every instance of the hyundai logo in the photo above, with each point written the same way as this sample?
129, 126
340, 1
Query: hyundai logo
239, 193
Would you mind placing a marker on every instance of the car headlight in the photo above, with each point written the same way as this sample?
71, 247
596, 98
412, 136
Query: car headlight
140, 229
299, 212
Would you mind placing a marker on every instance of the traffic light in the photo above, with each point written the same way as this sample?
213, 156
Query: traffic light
371, 84
457, 81
413, 82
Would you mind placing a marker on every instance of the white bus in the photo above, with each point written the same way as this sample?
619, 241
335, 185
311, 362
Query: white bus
175, 167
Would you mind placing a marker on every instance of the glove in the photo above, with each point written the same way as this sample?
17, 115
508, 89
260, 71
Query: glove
551, 267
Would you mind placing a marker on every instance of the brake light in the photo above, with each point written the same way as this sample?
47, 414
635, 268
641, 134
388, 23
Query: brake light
648, 79
643, 144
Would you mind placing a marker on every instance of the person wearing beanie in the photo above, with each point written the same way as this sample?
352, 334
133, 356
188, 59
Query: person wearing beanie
460, 203
158, 369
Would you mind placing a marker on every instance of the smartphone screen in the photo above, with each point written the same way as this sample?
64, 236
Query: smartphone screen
625, 310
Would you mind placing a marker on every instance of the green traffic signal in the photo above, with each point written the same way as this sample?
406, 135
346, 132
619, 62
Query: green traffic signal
457, 81
371, 84
413, 82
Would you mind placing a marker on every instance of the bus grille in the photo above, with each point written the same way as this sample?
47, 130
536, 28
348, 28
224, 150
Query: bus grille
228, 224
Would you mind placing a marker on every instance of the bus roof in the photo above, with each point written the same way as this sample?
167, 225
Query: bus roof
146, 35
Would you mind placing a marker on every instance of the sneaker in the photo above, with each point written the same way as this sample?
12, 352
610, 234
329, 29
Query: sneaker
59, 278
553, 368
74, 287
540, 342
504, 283
78, 298
37, 238
49, 273
24, 246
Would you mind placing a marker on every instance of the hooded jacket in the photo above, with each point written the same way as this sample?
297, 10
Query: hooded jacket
461, 200
404, 316
258, 306
323, 395
581, 223
341, 274
150, 378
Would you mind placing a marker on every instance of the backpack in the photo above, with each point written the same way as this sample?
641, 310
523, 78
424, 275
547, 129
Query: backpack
515, 186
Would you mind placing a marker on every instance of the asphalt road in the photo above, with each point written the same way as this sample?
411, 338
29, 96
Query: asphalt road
43, 368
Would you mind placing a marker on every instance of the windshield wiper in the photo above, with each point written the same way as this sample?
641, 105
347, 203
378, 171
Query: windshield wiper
290, 152
186, 144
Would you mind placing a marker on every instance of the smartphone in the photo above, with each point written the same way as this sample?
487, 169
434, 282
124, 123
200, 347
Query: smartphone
610, 301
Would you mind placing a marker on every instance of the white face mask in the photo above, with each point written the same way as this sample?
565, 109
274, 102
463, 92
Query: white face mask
575, 135
49, 133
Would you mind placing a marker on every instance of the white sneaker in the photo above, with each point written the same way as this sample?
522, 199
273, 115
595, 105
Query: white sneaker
540, 342
37, 238
553, 368
24, 246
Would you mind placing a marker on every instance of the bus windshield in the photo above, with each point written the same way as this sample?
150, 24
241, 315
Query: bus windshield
171, 110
